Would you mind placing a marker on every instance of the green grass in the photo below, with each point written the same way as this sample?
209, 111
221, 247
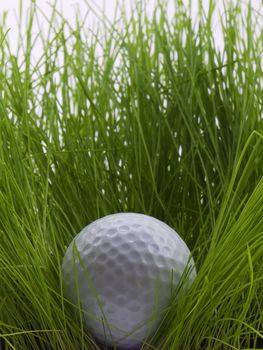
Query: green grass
146, 115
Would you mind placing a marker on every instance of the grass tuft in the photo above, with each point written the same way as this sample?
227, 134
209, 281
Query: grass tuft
146, 115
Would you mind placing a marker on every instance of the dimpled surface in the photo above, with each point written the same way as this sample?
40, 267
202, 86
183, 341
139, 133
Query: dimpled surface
124, 266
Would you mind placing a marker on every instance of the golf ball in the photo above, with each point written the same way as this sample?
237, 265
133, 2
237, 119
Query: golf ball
122, 269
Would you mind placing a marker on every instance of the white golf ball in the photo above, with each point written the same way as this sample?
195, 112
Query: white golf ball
122, 270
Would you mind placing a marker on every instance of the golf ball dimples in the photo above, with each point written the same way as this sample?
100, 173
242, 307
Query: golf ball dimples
116, 266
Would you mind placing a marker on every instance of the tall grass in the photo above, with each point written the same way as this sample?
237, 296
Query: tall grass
143, 115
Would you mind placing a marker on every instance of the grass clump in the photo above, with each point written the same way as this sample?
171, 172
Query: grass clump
143, 115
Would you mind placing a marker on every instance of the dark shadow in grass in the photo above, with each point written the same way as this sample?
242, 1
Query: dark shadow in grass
108, 347
258, 345
3, 345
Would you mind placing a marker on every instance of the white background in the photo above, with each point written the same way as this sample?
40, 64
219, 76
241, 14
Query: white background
69, 7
